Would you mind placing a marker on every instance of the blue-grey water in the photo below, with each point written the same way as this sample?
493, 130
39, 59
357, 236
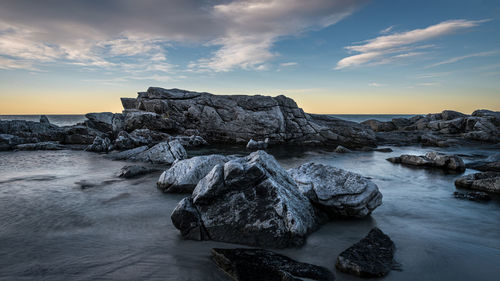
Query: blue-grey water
50, 229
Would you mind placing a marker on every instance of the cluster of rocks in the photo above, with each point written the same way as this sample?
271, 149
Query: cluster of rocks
431, 159
252, 200
439, 129
485, 181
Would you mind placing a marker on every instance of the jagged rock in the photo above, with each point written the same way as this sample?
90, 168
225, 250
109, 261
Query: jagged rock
139, 137
337, 192
7, 141
379, 126
190, 141
432, 159
372, 256
472, 195
341, 149
99, 145
244, 264
31, 132
162, 153
46, 145
44, 119
102, 121
185, 174
256, 145
250, 200
79, 134
237, 118
127, 154
132, 171
487, 181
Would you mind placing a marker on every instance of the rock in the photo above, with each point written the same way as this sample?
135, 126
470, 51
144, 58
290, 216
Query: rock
341, 149
384, 149
432, 159
450, 115
162, 153
127, 154
102, 121
238, 118
7, 141
80, 134
190, 141
244, 264
378, 126
484, 166
47, 145
99, 145
487, 181
472, 195
256, 145
31, 132
372, 256
139, 137
185, 174
44, 119
132, 171
337, 192
250, 200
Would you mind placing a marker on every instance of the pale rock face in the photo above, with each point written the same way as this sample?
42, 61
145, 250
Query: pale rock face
250, 200
337, 192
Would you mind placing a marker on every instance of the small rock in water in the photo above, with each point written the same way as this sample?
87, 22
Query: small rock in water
131, 171
372, 256
341, 149
472, 195
431, 159
384, 149
256, 145
486, 181
243, 264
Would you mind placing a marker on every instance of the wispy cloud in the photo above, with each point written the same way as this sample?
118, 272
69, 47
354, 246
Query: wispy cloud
374, 84
460, 58
387, 30
387, 48
288, 63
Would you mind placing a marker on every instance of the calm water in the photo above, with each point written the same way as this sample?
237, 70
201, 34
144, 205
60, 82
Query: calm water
50, 229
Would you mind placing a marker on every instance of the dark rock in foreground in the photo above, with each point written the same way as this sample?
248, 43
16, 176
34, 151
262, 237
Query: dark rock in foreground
487, 181
337, 192
472, 195
372, 256
431, 159
250, 200
132, 171
257, 264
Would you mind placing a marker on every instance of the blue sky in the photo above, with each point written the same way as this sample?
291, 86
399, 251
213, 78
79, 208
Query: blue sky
330, 56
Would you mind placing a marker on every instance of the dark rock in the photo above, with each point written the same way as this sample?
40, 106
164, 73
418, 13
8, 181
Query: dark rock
484, 166
487, 181
472, 195
250, 200
162, 153
341, 149
132, 171
99, 145
139, 137
257, 264
372, 256
384, 149
379, 126
190, 141
102, 121
44, 119
146, 120
337, 192
256, 145
432, 159
47, 145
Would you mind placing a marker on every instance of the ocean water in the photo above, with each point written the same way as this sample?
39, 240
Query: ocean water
51, 229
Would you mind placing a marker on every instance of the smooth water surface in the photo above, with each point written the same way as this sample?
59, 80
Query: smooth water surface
51, 229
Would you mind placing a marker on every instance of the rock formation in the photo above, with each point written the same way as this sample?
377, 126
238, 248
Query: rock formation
432, 159
487, 181
162, 153
132, 171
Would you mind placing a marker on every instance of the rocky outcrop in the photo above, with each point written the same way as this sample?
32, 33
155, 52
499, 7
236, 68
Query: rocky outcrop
478, 196
185, 174
102, 121
487, 181
45, 145
139, 137
250, 200
237, 119
372, 256
337, 192
256, 145
44, 119
162, 153
99, 145
432, 159
190, 141
132, 171
490, 164
31, 132
244, 264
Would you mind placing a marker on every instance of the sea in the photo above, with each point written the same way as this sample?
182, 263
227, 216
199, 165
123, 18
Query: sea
51, 229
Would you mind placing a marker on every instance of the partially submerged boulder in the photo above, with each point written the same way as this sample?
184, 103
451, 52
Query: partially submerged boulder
185, 174
372, 256
487, 181
250, 200
244, 264
431, 159
337, 192
162, 153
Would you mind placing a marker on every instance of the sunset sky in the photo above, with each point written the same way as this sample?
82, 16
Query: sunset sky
331, 56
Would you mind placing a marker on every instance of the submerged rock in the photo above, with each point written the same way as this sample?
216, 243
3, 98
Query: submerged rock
256, 145
244, 264
472, 195
185, 174
132, 171
337, 192
250, 200
487, 181
432, 159
372, 256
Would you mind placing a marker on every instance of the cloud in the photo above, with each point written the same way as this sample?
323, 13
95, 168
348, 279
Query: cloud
288, 63
387, 30
374, 84
387, 48
460, 58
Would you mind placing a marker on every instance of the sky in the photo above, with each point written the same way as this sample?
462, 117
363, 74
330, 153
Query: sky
330, 56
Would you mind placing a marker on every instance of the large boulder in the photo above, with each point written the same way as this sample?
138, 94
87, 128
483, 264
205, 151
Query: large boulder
372, 256
431, 159
136, 119
337, 192
487, 181
250, 200
244, 264
162, 153
185, 174
102, 121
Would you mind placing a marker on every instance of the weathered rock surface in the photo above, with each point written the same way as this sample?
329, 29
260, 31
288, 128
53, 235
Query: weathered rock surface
132, 171
102, 121
490, 164
244, 264
256, 145
190, 141
341, 149
472, 195
99, 145
337, 192
432, 159
46, 145
372, 256
162, 153
185, 174
487, 181
237, 118
250, 200
139, 137
31, 132
384, 149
